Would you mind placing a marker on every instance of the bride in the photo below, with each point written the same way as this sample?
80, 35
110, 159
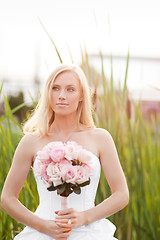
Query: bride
64, 113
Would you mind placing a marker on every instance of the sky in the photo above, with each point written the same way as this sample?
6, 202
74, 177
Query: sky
113, 27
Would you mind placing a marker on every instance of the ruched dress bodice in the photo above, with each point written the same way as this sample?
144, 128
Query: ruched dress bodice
49, 202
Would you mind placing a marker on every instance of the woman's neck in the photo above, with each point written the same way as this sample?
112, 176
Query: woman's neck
64, 126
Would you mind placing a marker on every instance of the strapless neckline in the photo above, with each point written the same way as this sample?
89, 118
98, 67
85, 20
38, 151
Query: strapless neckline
66, 142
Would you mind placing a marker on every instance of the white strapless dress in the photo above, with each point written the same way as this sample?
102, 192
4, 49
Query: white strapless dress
50, 202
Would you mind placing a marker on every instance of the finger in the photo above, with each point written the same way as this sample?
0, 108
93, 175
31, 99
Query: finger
63, 221
70, 222
65, 211
66, 219
66, 224
62, 227
67, 230
64, 234
63, 238
67, 216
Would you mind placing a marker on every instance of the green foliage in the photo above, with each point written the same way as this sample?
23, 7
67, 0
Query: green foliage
65, 189
138, 146
10, 135
17, 103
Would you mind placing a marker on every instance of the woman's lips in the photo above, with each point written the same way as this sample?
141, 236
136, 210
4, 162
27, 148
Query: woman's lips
62, 104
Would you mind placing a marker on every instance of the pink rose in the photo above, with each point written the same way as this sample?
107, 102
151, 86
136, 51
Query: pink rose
53, 145
69, 173
43, 155
41, 170
40, 166
63, 166
82, 175
57, 154
63, 163
71, 150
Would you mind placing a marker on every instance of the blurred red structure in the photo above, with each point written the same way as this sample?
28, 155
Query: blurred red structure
150, 109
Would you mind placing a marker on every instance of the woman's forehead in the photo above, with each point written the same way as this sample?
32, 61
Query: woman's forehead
67, 78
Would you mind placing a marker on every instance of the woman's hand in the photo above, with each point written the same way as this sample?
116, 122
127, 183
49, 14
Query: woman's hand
52, 229
70, 217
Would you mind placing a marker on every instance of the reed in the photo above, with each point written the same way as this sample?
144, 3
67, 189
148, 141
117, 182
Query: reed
138, 146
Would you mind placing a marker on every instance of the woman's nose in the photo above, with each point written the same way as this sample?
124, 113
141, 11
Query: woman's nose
62, 94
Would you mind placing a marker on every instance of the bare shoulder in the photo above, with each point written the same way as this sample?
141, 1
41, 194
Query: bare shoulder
28, 140
27, 145
103, 141
101, 134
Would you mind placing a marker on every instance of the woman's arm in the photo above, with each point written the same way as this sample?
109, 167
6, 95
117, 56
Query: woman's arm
17, 175
116, 180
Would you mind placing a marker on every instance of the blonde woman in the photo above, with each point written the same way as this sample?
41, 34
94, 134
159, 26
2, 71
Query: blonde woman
64, 113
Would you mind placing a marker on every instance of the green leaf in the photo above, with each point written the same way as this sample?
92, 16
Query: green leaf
73, 163
18, 107
77, 189
71, 185
68, 191
52, 188
61, 188
33, 102
1, 86
85, 183
125, 81
51, 41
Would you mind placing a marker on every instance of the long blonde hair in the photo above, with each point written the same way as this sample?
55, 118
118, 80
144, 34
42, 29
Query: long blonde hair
43, 115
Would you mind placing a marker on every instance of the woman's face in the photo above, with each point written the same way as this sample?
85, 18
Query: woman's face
65, 93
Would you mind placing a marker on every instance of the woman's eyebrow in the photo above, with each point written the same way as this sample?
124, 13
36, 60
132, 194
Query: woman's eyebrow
69, 85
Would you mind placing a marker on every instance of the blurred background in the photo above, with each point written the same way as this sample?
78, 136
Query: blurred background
117, 44
114, 27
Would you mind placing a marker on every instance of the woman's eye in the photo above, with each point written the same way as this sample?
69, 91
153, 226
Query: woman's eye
70, 89
55, 88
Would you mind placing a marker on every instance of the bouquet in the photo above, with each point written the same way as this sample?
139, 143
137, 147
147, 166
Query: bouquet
64, 166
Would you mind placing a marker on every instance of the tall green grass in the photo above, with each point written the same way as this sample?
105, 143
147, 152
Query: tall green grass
138, 146
10, 135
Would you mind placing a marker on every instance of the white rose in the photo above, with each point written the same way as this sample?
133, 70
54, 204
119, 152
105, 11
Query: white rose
72, 150
84, 156
54, 174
